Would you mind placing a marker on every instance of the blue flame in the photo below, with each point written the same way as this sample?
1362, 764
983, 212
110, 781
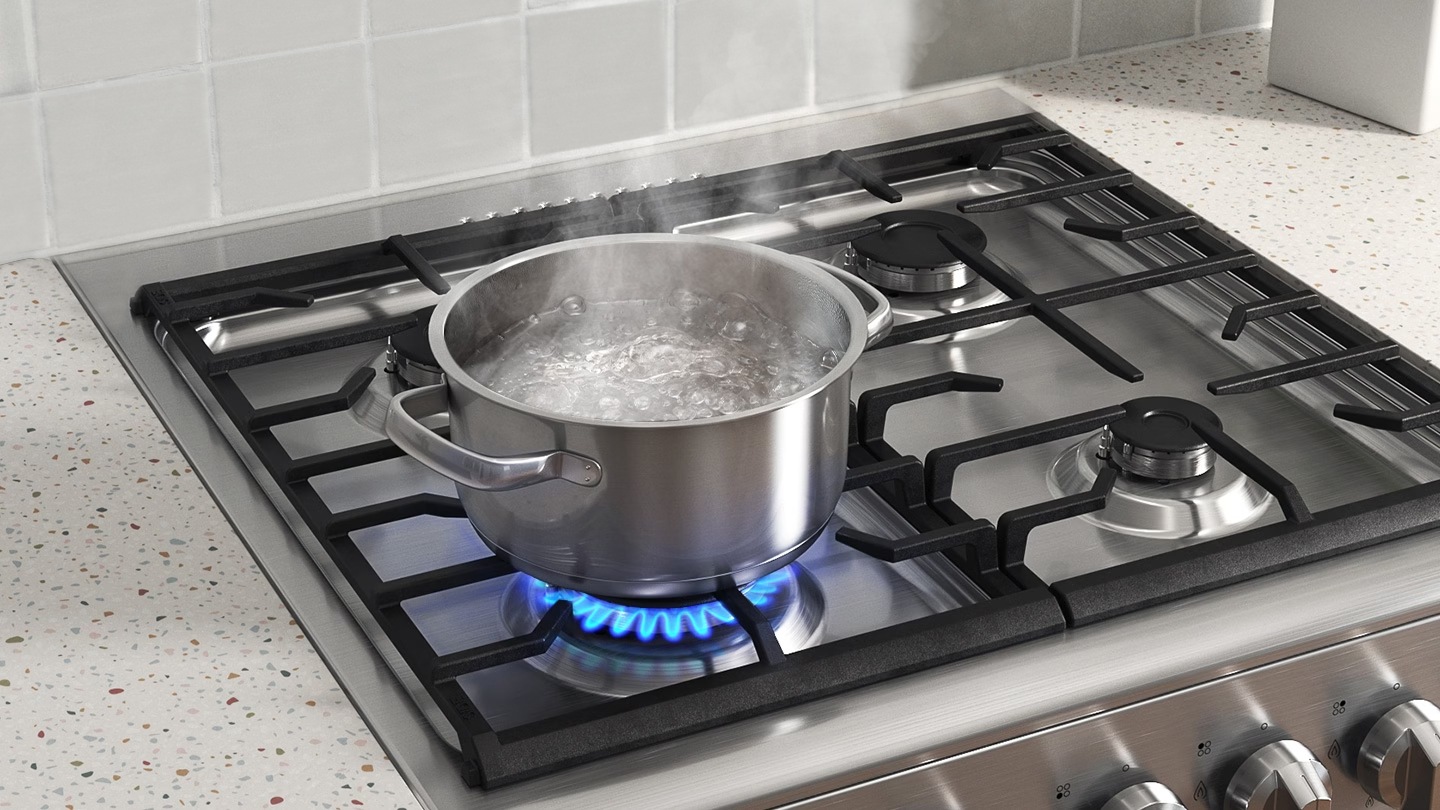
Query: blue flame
645, 623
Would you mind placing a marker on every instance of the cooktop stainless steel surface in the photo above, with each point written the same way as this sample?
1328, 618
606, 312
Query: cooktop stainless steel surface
1038, 510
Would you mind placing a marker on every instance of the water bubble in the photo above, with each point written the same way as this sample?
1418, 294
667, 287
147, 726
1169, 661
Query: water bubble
734, 300
548, 396
829, 360
735, 330
572, 305
685, 299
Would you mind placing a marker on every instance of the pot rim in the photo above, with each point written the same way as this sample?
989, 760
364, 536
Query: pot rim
455, 375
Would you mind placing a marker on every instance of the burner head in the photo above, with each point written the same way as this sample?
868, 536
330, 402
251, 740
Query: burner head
410, 354
663, 621
622, 649
906, 255
1156, 439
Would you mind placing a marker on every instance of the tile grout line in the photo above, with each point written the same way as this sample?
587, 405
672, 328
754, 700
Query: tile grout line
527, 149
670, 67
435, 29
812, 65
212, 126
575, 5
1195, 29
41, 131
372, 95
1076, 15
246, 58
133, 78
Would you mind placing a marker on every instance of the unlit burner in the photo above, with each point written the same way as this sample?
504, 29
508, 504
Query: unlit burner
1157, 440
906, 255
409, 355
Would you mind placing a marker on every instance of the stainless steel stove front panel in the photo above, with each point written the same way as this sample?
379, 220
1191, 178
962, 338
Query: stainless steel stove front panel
1192, 740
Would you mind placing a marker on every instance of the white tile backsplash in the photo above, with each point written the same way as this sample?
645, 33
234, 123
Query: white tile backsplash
169, 115
129, 157
248, 27
739, 58
1106, 25
15, 75
597, 75
292, 128
79, 41
868, 48
437, 94
390, 16
1222, 15
22, 203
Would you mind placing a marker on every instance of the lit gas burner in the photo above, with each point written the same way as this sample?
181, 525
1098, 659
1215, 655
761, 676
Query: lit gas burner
1173, 485
622, 649
906, 259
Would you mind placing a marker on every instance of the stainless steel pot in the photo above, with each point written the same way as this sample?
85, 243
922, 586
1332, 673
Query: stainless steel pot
643, 509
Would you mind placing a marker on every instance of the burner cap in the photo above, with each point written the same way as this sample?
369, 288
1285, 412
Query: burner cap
411, 354
906, 255
1156, 439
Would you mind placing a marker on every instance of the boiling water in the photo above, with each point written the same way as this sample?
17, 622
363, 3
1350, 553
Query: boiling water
683, 357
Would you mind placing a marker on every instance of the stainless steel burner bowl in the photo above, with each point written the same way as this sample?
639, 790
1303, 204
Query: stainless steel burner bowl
1216, 503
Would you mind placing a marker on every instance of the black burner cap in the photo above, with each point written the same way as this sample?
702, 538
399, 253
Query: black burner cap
1163, 424
910, 239
413, 344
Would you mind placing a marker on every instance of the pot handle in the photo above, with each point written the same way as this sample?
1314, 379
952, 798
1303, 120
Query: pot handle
467, 467
879, 318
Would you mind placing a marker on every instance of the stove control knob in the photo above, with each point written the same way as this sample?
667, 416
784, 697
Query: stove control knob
1144, 796
1281, 776
1399, 761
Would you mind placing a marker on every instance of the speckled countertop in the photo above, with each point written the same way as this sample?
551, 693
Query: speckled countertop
144, 660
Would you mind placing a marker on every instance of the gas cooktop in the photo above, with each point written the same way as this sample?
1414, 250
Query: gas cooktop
1093, 409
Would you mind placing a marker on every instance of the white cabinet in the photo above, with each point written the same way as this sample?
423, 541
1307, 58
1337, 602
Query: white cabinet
1377, 58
